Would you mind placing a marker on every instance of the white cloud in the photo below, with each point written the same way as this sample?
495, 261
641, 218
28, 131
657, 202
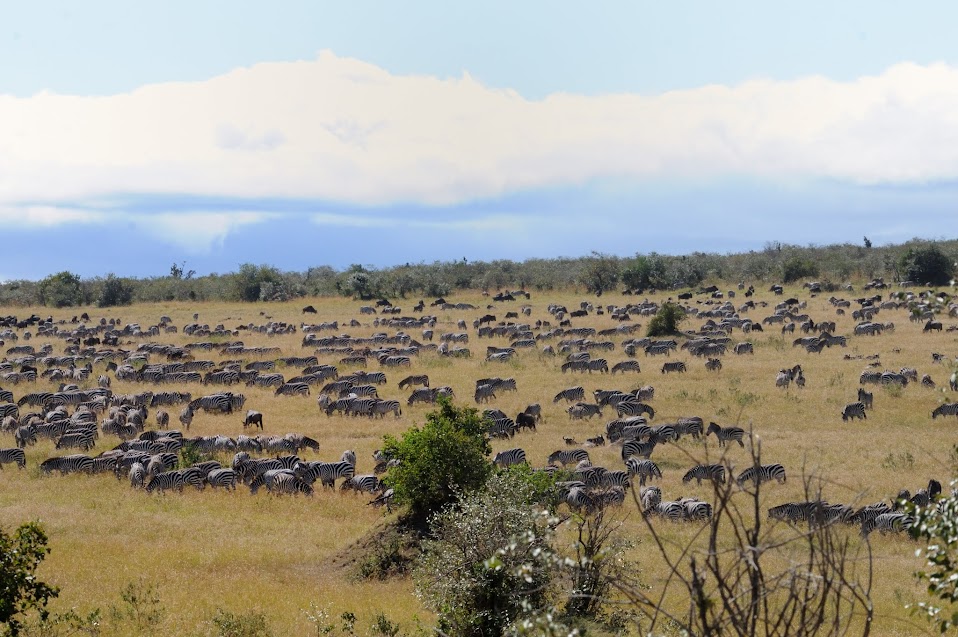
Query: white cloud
195, 232
46, 216
343, 130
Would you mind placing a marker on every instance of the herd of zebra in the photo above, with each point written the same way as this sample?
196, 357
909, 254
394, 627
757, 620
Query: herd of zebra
84, 408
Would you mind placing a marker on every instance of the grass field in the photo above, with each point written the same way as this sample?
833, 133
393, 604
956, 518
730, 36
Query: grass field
203, 551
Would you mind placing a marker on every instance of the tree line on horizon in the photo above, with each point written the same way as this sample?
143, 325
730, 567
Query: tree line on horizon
920, 261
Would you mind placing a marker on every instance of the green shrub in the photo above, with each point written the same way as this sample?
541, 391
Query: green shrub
20, 555
249, 624
61, 290
666, 320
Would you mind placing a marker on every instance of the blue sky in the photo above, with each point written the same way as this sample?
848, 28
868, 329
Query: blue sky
133, 136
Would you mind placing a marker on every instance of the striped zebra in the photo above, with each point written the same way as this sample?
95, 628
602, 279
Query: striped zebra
170, 398
657, 349
888, 523
673, 366
713, 472
670, 510
412, 381
649, 498
137, 475
726, 434
626, 366
893, 378
744, 348
361, 407
694, 509
383, 407
11, 455
580, 411
366, 483
162, 419
575, 366
292, 389
598, 365
166, 481
268, 477
762, 473
571, 394
617, 478
485, 393
326, 472
663, 433
82, 441
713, 365
854, 410
504, 427
866, 398
629, 408
25, 435
638, 448
267, 380
945, 409
286, 483
422, 395
870, 376
223, 377
645, 469
223, 478
76, 463
690, 426
644, 393
216, 403
394, 361
568, 456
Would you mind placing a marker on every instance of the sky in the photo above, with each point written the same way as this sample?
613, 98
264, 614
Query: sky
303, 133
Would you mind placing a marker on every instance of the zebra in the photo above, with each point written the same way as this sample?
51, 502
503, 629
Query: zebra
68, 464
650, 498
581, 411
945, 409
76, 440
598, 365
714, 472
504, 427
893, 378
485, 393
888, 523
926, 381
510, 457
15, 454
326, 472
571, 394
644, 393
762, 473
137, 475
292, 389
695, 509
628, 408
783, 379
568, 456
744, 348
412, 381
663, 433
670, 510
626, 366
361, 406
713, 365
689, 426
383, 407
287, 483
654, 349
25, 435
854, 410
217, 403
422, 395
637, 448
865, 398
166, 481
222, 478
645, 469
673, 366
726, 434
366, 483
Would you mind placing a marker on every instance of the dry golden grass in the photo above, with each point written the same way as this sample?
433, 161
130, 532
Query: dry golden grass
207, 550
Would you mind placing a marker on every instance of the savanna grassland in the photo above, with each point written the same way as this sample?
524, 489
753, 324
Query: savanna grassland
203, 551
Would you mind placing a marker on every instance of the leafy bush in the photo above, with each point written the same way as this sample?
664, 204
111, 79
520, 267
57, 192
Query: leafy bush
249, 624
440, 462
798, 268
927, 265
115, 291
666, 320
489, 590
61, 290
20, 555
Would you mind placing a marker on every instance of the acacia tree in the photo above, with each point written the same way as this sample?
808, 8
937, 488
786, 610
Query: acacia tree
61, 290
20, 590
927, 265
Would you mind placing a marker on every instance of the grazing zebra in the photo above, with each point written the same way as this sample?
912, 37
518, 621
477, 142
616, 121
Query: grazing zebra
626, 366
15, 454
165, 481
485, 393
568, 456
714, 472
888, 523
137, 475
509, 457
326, 472
656, 349
77, 440
689, 426
68, 464
25, 435
629, 408
946, 409
762, 473
366, 483
645, 469
783, 379
292, 389
854, 410
572, 394
744, 348
695, 509
216, 403
713, 365
632, 448
383, 407
646, 392
663, 433
673, 366
504, 427
726, 434
412, 381
866, 398
926, 381
893, 378
672, 511
162, 419
650, 498
581, 411
598, 365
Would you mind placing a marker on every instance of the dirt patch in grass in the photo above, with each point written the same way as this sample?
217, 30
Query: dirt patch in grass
389, 550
